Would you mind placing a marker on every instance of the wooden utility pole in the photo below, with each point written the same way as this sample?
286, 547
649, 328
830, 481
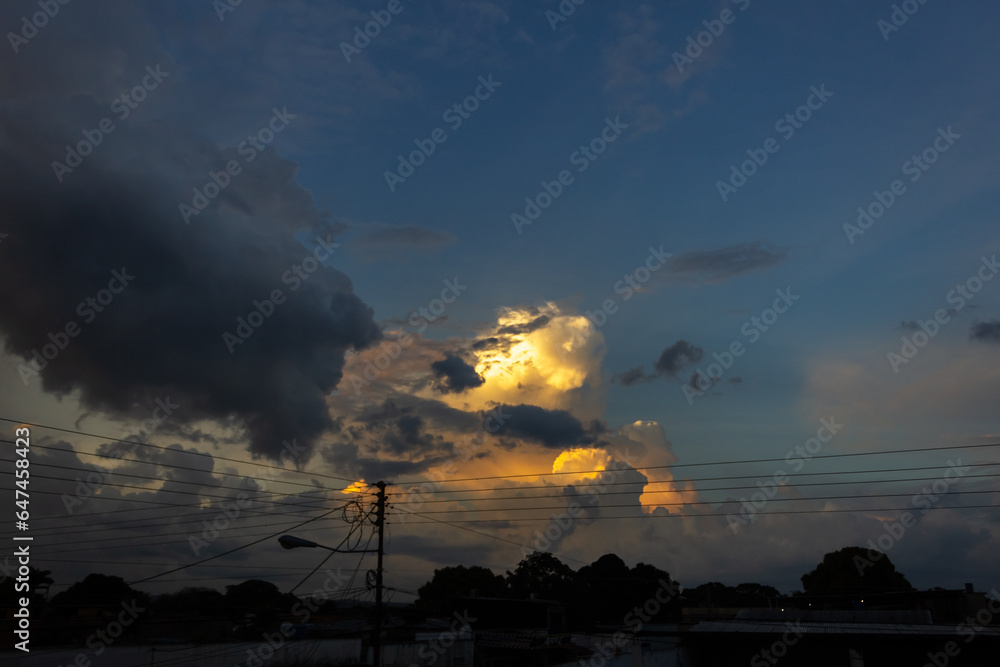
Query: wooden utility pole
380, 524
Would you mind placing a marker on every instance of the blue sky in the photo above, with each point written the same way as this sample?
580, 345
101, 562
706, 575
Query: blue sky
888, 95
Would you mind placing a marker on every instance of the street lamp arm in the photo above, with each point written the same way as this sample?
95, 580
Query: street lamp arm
292, 542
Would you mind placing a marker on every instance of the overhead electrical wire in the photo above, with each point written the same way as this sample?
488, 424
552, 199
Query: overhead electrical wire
688, 465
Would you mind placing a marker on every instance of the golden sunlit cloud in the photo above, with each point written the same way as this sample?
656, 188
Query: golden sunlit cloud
356, 487
580, 460
538, 366
659, 452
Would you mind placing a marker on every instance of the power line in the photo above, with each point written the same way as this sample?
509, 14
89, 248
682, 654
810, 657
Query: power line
148, 564
523, 475
700, 479
177, 491
172, 466
226, 553
113, 527
229, 535
175, 451
454, 524
691, 465
701, 490
699, 502
712, 514
305, 505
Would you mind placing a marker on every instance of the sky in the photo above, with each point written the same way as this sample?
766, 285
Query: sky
678, 253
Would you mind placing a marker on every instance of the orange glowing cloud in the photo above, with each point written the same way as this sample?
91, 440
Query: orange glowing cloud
580, 460
662, 490
356, 487
539, 365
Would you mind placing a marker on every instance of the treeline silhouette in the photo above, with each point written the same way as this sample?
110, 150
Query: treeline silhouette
602, 593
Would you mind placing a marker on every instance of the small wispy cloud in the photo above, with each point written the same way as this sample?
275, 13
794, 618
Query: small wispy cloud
719, 266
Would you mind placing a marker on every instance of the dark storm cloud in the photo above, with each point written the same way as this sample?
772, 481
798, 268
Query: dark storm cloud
632, 376
346, 459
674, 358
114, 219
485, 344
986, 332
533, 325
399, 431
455, 375
552, 428
718, 266
671, 362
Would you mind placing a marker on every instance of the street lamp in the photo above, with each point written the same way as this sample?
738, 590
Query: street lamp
291, 542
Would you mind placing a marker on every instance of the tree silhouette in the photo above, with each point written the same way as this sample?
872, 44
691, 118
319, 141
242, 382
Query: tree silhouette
436, 595
753, 594
99, 590
257, 595
257, 604
543, 575
854, 571
193, 600
606, 579
719, 595
607, 590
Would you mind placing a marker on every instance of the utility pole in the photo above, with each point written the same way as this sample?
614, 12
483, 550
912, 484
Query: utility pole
380, 524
